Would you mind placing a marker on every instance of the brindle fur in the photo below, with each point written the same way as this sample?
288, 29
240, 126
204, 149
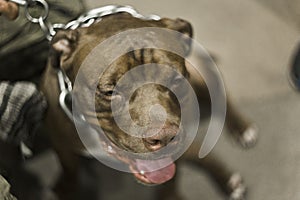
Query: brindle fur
62, 132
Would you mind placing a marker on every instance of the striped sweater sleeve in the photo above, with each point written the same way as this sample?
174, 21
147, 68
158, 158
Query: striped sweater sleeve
22, 108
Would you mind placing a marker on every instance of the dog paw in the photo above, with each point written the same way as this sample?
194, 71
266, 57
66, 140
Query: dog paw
237, 188
249, 137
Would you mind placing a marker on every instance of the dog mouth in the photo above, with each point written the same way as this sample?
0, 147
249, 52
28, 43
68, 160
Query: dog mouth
147, 171
153, 172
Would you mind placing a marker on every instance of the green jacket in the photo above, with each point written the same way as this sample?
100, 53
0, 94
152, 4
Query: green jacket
23, 47
21, 32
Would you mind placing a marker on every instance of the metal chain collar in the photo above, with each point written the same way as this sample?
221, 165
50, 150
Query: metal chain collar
85, 20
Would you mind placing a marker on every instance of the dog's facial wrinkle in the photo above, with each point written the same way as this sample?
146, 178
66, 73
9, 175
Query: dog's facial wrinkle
142, 99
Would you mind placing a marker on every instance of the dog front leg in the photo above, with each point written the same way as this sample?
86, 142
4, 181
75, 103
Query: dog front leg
67, 185
228, 182
242, 130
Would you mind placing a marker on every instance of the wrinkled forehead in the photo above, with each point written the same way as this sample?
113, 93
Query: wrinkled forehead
152, 64
109, 60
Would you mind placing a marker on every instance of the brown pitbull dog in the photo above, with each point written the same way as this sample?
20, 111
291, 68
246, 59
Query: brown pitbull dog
69, 48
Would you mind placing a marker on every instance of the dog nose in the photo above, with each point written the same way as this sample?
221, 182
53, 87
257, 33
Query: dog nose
161, 139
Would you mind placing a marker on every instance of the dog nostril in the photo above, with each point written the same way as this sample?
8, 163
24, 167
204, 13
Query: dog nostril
172, 139
154, 142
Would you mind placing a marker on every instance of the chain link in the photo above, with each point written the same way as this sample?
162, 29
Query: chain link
35, 3
97, 14
84, 20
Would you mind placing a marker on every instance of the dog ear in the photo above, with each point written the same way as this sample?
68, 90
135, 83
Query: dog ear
62, 47
183, 27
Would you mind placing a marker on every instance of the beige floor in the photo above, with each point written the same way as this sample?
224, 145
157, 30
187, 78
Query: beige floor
253, 43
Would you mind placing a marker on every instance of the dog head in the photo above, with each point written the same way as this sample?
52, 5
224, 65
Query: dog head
70, 48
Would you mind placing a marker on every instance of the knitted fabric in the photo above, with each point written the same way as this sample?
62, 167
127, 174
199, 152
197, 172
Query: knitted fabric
22, 109
4, 190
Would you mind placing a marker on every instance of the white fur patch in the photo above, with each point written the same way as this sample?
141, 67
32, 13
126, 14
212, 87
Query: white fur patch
62, 45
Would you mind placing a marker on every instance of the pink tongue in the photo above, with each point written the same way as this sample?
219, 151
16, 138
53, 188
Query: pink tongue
157, 171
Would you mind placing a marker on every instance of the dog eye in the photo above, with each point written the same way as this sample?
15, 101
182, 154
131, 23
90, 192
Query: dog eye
110, 94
